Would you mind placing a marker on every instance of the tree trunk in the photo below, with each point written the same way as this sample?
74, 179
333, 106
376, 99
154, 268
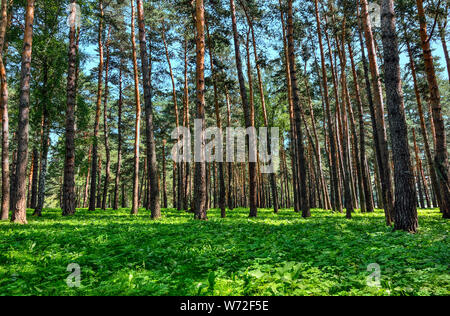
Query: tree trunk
405, 210
441, 156
105, 127
273, 181
92, 197
19, 207
69, 165
45, 143
420, 173
164, 175
5, 206
368, 207
442, 33
200, 190
137, 134
337, 205
186, 114
423, 127
383, 156
222, 189
249, 118
34, 181
152, 165
119, 142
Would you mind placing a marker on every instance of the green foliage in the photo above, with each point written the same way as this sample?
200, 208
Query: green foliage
272, 255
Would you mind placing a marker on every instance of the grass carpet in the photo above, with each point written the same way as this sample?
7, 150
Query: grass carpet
273, 255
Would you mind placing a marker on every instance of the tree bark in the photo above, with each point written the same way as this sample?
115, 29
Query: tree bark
337, 205
92, 196
405, 210
441, 156
249, 119
303, 192
137, 132
368, 207
45, 143
105, 126
69, 165
423, 127
222, 189
152, 165
200, 190
5, 206
19, 207
383, 156
119, 143
34, 181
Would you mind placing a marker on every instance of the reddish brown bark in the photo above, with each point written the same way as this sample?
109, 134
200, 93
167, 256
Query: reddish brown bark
137, 132
423, 126
441, 156
383, 156
5, 204
19, 206
200, 189
337, 205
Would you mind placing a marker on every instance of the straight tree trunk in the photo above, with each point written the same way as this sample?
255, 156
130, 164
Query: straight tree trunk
137, 132
420, 173
119, 142
304, 198
99, 184
249, 119
423, 126
343, 131
176, 193
19, 207
105, 126
187, 165
383, 162
152, 165
34, 182
200, 190
368, 207
337, 205
293, 146
69, 165
405, 210
222, 189
92, 196
441, 156
45, 143
88, 175
164, 175
230, 165
273, 181
5, 206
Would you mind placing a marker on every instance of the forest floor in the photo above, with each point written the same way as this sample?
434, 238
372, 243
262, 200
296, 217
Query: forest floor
273, 255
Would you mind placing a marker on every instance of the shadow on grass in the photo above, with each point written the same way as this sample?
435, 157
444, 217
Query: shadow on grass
120, 254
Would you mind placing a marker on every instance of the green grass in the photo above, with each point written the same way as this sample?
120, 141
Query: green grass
273, 255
